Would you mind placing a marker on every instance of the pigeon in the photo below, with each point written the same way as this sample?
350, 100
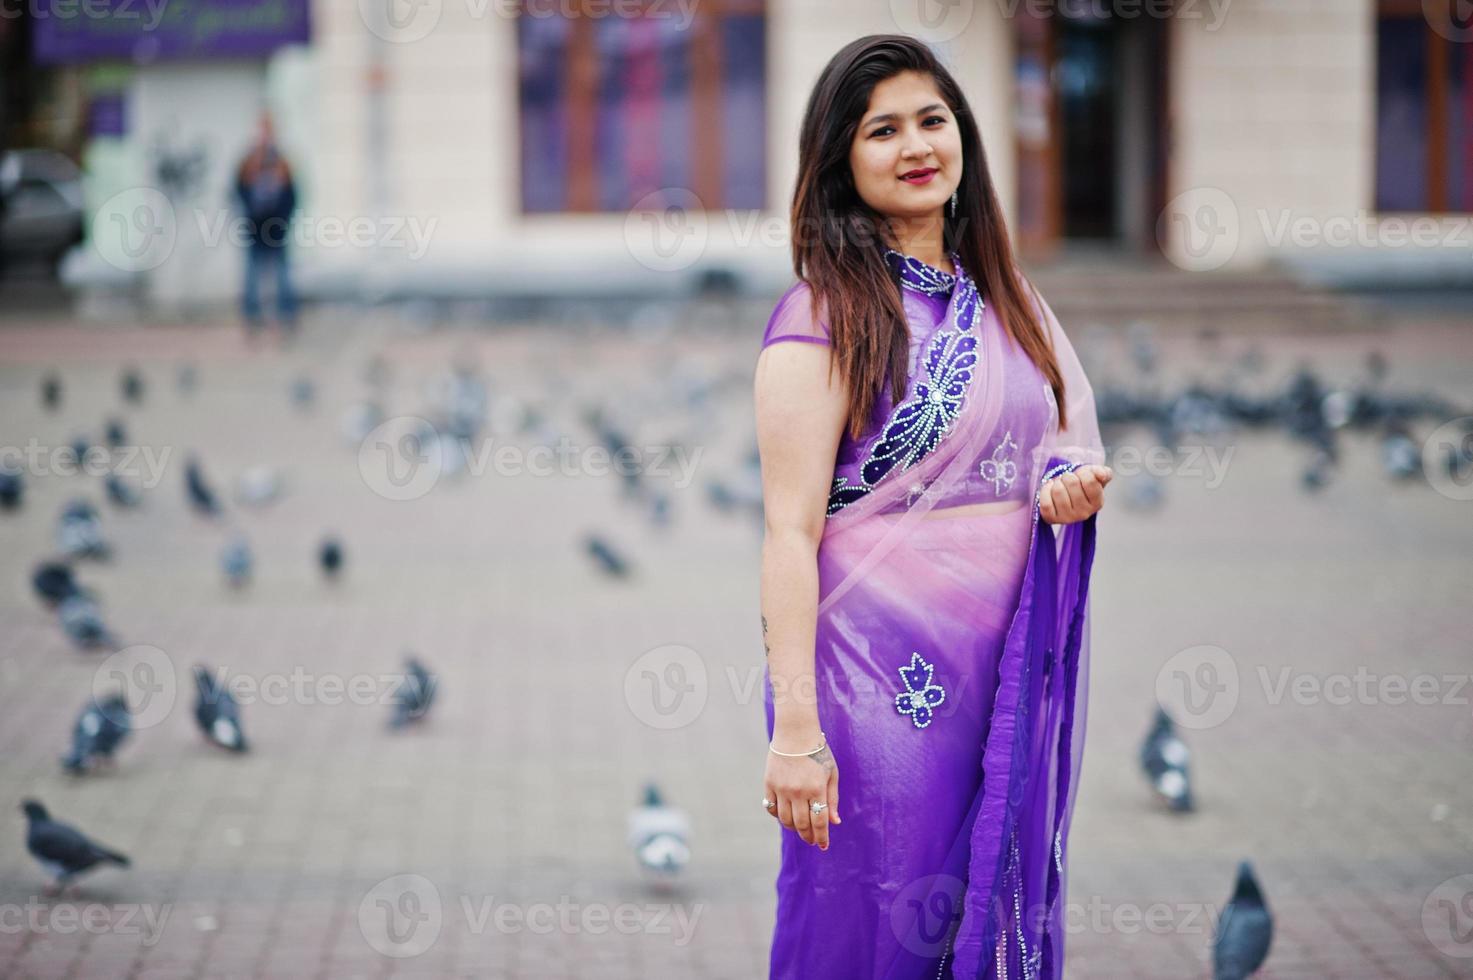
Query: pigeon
303, 392
1166, 763
120, 492
115, 433
132, 386
51, 392
414, 694
1245, 931
330, 557
1400, 456
54, 582
216, 712
660, 835
82, 621
100, 729
12, 488
200, 494
605, 557
61, 848
236, 562
258, 486
79, 534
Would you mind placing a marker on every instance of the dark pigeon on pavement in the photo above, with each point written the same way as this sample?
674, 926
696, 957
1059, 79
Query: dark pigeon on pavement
61, 848
1245, 931
100, 729
217, 712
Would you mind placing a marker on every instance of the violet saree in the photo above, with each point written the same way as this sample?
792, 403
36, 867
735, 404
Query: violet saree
951, 658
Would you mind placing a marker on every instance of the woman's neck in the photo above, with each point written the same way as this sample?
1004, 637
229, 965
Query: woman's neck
922, 238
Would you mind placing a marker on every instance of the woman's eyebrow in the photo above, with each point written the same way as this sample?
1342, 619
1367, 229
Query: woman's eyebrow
891, 116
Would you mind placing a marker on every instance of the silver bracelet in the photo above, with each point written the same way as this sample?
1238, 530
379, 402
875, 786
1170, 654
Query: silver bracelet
800, 755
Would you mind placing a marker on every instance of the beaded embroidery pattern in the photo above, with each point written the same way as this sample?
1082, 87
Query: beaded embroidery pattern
917, 425
920, 697
1000, 468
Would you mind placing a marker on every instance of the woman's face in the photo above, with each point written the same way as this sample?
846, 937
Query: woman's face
907, 153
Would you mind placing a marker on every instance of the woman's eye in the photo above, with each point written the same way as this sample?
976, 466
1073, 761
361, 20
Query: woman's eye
940, 119
882, 131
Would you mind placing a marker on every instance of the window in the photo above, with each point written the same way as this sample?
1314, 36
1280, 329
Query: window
614, 107
1424, 107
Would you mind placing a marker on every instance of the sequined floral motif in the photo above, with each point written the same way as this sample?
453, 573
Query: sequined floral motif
1000, 468
918, 424
920, 697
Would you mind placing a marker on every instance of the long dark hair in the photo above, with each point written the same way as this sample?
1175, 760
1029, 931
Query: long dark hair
839, 253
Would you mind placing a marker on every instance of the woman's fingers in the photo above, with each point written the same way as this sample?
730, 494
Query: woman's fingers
1094, 493
1061, 502
785, 811
1078, 504
834, 795
770, 795
802, 819
821, 826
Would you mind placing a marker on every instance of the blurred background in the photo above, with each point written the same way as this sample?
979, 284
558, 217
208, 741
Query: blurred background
381, 518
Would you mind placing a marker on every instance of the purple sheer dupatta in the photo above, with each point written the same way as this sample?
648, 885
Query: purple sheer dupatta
951, 658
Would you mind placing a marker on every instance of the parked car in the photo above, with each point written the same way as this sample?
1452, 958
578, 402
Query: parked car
41, 209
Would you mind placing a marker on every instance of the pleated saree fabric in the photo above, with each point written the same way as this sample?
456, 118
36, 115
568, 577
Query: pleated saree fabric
951, 658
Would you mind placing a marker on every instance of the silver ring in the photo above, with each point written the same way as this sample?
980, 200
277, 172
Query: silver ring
817, 807
767, 804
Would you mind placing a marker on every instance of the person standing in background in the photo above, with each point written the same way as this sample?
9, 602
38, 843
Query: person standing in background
263, 184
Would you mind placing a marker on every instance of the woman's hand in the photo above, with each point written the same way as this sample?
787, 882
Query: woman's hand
795, 782
1074, 496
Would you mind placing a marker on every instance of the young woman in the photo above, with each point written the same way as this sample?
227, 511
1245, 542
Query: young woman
931, 465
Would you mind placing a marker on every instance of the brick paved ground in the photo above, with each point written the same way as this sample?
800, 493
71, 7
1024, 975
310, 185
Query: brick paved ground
509, 804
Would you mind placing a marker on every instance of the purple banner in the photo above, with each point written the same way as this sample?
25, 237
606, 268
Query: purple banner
143, 31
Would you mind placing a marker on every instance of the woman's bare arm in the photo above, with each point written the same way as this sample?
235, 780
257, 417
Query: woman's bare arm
800, 420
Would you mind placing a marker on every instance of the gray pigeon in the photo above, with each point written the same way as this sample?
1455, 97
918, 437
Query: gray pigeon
54, 582
660, 836
413, 696
61, 848
79, 533
1245, 931
608, 561
236, 562
82, 621
12, 487
120, 492
100, 729
132, 386
51, 392
217, 712
1165, 761
330, 557
201, 495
